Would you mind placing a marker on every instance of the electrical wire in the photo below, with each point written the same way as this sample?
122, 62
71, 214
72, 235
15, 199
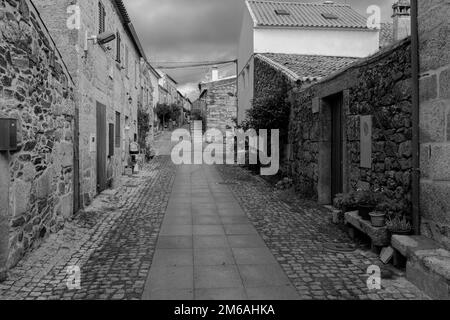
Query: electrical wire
160, 65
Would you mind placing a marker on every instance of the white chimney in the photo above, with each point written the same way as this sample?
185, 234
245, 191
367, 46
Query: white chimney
215, 74
402, 19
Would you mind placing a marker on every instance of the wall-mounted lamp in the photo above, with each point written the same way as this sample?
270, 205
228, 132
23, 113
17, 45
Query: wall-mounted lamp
101, 39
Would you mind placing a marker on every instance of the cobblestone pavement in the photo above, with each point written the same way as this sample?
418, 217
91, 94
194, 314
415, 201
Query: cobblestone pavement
112, 242
296, 231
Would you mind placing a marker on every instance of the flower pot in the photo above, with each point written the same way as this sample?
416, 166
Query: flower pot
378, 219
364, 212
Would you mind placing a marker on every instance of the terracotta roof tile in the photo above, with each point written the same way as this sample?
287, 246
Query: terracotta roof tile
305, 14
306, 68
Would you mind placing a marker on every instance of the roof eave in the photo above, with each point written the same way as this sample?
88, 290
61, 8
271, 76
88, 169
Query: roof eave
264, 26
128, 25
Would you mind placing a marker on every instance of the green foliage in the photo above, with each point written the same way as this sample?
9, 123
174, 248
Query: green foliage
270, 112
163, 112
398, 224
175, 112
196, 115
356, 199
144, 127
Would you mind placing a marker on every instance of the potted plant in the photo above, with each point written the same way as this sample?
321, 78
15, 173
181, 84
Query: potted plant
399, 225
378, 219
366, 202
345, 202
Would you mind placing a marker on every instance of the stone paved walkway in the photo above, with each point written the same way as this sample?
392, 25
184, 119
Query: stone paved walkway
208, 249
198, 232
296, 231
112, 242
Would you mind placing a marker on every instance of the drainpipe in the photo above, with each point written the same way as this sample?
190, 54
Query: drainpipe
415, 118
4, 214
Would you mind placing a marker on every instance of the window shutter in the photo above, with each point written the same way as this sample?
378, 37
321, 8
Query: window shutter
118, 44
111, 139
101, 18
118, 130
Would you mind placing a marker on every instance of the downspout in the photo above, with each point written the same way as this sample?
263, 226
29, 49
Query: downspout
415, 118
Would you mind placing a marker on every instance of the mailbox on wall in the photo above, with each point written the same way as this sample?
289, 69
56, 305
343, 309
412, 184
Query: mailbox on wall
8, 134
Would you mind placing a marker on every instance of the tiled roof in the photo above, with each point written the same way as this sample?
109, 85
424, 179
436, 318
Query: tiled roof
386, 34
305, 14
305, 68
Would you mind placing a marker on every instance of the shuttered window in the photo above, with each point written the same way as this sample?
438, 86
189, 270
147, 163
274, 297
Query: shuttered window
111, 140
101, 18
118, 44
126, 62
118, 130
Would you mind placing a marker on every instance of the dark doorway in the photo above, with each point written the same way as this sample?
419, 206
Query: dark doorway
337, 158
102, 181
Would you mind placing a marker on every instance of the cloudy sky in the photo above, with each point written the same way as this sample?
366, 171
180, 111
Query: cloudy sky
200, 30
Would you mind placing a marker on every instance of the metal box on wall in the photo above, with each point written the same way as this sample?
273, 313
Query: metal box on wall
8, 134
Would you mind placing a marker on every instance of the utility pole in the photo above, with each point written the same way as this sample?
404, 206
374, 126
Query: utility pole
4, 213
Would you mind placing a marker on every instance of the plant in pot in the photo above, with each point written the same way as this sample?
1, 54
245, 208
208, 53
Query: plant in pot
345, 202
378, 219
366, 202
384, 208
399, 225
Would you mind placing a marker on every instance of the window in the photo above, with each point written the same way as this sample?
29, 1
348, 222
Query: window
330, 16
118, 44
118, 130
136, 68
282, 12
111, 140
126, 61
247, 71
101, 17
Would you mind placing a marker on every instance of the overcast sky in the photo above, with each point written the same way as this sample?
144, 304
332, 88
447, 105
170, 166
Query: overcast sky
201, 30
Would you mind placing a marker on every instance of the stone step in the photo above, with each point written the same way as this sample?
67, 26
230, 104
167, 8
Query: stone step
428, 265
379, 236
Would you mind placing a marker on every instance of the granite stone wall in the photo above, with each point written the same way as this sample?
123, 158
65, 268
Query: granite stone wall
434, 48
379, 87
221, 104
99, 78
35, 89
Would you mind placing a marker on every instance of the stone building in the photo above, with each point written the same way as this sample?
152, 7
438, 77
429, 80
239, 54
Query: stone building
169, 87
434, 51
297, 28
352, 129
36, 89
220, 102
107, 78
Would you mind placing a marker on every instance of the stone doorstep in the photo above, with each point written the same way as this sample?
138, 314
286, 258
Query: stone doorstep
428, 264
379, 236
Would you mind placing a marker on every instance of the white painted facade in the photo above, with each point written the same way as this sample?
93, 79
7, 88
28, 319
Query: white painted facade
340, 42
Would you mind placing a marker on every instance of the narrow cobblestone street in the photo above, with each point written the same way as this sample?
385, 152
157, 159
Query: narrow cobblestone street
198, 232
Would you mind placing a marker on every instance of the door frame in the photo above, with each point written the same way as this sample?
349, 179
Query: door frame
325, 167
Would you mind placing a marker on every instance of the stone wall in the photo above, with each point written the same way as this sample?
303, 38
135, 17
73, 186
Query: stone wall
35, 89
270, 81
99, 78
378, 86
434, 47
221, 104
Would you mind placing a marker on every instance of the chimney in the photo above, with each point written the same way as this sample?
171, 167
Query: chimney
402, 19
215, 74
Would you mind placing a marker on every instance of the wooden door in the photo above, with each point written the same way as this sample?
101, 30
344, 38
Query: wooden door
336, 145
101, 148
